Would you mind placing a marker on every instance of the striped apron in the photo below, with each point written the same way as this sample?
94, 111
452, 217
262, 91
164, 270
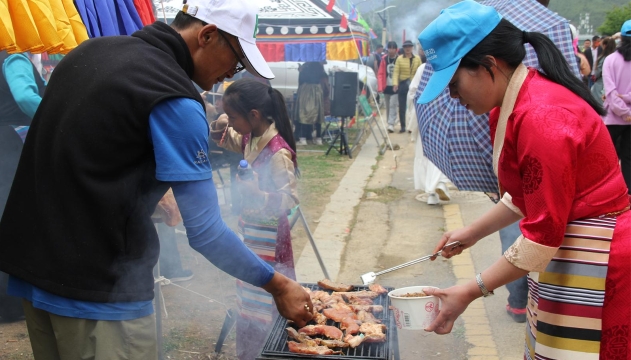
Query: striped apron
254, 302
565, 303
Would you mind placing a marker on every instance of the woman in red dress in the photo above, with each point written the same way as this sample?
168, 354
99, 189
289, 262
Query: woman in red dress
558, 173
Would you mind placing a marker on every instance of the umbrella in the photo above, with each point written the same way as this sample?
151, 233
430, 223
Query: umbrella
459, 142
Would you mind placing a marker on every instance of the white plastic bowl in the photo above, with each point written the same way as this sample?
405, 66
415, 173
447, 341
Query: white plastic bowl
413, 313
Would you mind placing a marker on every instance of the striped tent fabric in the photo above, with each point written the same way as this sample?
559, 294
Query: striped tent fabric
457, 141
565, 302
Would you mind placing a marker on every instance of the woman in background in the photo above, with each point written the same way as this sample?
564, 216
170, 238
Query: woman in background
608, 46
617, 86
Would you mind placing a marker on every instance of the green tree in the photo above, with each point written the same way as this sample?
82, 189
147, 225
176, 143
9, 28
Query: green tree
614, 19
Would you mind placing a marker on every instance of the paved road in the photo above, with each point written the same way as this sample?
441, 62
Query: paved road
394, 228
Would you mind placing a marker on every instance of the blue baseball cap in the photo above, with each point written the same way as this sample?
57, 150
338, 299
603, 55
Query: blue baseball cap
626, 28
448, 38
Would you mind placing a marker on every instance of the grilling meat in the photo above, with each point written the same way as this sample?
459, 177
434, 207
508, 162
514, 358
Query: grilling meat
354, 341
358, 294
329, 331
375, 309
319, 318
301, 338
302, 348
330, 285
333, 343
377, 288
373, 332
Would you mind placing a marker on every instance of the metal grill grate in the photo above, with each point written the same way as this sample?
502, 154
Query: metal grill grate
276, 345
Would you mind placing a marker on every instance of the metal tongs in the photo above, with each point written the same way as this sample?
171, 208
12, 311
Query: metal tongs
369, 278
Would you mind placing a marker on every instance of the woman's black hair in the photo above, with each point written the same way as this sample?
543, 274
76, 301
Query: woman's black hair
625, 47
247, 94
608, 47
506, 42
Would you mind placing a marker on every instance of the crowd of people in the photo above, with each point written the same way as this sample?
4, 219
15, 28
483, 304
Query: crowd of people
561, 152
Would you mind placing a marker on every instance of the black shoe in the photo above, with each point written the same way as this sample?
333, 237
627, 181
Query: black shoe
181, 275
518, 315
401, 131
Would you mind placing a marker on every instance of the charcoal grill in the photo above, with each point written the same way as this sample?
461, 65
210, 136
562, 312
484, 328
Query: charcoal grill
276, 348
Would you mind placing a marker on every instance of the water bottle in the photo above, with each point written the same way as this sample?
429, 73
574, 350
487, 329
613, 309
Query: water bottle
244, 170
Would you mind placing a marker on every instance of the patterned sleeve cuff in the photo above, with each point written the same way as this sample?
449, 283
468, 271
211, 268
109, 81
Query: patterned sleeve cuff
528, 255
507, 200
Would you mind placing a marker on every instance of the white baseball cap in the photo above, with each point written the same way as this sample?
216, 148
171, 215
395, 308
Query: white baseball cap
238, 18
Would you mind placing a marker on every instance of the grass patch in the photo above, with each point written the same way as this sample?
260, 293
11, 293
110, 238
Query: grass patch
319, 176
385, 194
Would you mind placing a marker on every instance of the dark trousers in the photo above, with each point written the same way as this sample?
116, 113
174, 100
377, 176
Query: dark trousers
518, 289
621, 137
303, 131
404, 86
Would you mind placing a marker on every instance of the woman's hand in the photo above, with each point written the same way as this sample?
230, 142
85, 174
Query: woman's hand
462, 235
453, 302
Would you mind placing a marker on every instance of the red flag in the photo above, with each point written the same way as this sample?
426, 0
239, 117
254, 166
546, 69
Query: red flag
329, 7
344, 22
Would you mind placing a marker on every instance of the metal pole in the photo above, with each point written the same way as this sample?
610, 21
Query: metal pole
158, 310
315, 248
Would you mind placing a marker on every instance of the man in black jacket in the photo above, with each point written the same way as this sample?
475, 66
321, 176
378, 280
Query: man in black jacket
591, 54
120, 123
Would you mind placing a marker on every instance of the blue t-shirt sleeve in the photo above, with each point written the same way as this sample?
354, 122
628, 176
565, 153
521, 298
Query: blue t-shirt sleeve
18, 72
179, 132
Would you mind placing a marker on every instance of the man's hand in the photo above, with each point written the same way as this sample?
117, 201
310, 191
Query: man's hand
395, 88
292, 301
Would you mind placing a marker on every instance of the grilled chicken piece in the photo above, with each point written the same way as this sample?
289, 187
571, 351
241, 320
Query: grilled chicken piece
373, 332
377, 288
366, 317
330, 285
354, 341
338, 315
353, 300
302, 338
350, 324
342, 306
358, 294
329, 331
319, 318
375, 309
302, 348
333, 343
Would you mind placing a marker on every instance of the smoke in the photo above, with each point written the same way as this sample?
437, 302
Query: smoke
416, 18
